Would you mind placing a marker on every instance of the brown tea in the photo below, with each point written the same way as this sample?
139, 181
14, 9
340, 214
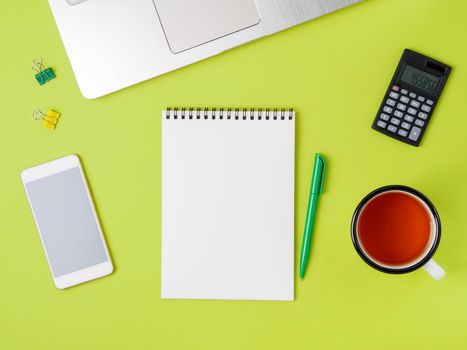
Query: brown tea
394, 228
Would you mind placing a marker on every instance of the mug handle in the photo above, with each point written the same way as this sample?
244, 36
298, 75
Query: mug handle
434, 270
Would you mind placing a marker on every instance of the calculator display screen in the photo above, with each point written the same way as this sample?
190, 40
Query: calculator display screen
420, 79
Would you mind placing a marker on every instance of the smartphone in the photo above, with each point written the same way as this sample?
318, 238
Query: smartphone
67, 222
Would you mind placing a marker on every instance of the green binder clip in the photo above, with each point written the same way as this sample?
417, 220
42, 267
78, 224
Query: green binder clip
43, 74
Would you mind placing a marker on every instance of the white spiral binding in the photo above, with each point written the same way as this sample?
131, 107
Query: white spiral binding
229, 113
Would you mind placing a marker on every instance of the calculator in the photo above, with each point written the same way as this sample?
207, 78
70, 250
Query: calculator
411, 97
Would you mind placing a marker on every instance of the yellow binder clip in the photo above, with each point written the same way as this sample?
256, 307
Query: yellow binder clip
50, 119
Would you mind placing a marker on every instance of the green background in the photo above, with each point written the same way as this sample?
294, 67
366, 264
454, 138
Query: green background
334, 72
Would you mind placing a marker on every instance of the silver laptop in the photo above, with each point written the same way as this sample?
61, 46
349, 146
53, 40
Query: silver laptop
113, 44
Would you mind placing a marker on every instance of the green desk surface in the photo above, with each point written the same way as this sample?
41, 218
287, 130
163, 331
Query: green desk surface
334, 72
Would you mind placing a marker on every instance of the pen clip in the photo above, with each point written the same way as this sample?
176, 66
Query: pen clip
319, 157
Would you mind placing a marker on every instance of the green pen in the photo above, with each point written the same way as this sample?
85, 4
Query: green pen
317, 181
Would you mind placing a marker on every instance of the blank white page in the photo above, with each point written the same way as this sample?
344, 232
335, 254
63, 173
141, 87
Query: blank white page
228, 205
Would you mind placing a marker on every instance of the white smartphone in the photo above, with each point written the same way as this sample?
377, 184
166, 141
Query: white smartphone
67, 222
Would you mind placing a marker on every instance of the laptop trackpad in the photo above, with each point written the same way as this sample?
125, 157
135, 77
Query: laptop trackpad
189, 23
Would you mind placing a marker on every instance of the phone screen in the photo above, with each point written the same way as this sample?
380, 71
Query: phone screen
66, 220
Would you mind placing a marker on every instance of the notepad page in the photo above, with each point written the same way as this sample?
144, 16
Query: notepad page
228, 207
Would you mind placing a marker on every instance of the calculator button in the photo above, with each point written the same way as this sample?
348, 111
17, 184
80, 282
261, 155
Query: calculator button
392, 128
415, 133
412, 95
408, 118
401, 106
393, 94
429, 102
395, 121
381, 124
405, 99
387, 109
421, 98
384, 116
406, 125
390, 102
412, 111
403, 133
415, 104
404, 92
395, 88
419, 123
422, 115
425, 108
398, 114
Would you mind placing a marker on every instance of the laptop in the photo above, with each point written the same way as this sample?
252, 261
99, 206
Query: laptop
113, 44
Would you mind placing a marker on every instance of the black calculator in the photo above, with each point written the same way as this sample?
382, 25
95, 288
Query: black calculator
411, 97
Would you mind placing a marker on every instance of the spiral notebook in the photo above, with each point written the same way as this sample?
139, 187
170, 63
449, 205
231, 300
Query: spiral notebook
228, 204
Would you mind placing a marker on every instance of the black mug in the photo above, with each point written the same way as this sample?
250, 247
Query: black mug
396, 229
